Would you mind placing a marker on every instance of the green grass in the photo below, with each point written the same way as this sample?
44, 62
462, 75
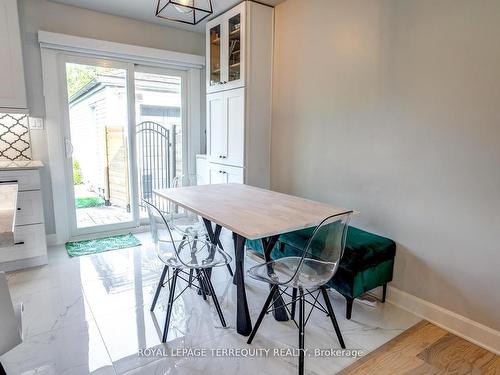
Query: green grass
89, 202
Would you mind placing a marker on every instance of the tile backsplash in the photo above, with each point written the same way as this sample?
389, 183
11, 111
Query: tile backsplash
14, 137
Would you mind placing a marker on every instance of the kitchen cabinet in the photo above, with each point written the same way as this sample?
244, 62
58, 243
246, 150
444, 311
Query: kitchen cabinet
12, 88
29, 247
226, 50
226, 126
239, 94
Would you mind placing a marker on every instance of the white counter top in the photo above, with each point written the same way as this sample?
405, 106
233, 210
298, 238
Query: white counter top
8, 208
8, 165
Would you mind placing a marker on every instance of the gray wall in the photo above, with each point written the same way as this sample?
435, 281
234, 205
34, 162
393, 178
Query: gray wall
392, 107
43, 15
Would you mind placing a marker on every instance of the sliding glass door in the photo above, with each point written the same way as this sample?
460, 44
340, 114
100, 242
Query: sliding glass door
159, 118
123, 139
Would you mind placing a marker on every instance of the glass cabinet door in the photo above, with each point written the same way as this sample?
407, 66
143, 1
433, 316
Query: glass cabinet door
234, 48
215, 55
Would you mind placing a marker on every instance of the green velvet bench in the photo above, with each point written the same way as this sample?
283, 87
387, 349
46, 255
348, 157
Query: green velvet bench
367, 263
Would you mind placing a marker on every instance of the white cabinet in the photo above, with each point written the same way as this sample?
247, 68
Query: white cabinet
12, 87
30, 247
226, 50
224, 174
226, 127
28, 179
29, 208
239, 86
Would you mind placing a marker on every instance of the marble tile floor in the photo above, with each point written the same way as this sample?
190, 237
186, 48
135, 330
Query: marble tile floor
90, 315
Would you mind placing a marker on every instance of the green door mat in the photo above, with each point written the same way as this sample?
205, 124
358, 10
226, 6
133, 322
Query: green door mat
100, 245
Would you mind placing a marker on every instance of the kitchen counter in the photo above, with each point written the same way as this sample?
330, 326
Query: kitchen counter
8, 208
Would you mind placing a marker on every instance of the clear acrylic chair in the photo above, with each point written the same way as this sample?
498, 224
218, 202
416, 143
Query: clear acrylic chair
183, 254
306, 274
185, 221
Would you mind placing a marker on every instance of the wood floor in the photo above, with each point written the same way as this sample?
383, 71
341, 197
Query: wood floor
427, 349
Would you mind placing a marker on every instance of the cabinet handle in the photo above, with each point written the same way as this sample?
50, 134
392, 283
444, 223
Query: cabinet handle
223, 172
9, 182
19, 243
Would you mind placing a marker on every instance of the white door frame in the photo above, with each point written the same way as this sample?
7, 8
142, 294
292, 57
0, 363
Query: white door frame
54, 85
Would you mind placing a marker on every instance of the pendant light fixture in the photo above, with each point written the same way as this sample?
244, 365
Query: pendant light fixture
185, 11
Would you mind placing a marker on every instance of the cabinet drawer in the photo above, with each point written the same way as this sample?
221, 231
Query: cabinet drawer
225, 174
26, 180
29, 208
30, 243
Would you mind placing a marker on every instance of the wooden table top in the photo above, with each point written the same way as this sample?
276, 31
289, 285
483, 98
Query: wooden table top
249, 211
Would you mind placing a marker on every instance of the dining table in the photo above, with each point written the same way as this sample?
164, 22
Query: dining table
251, 213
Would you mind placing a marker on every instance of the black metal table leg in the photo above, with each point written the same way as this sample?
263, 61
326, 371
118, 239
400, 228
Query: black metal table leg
2, 370
279, 311
243, 322
214, 238
234, 242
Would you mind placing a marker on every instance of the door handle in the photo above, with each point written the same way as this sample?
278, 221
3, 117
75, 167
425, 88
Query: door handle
69, 148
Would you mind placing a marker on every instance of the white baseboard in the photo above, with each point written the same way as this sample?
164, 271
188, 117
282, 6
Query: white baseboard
459, 325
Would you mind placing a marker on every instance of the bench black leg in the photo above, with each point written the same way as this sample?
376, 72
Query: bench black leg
384, 292
2, 370
348, 306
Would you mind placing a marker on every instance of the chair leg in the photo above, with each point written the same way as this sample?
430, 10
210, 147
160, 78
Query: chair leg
158, 288
201, 282
348, 307
230, 270
190, 283
294, 302
301, 330
262, 313
384, 292
2, 370
331, 313
170, 304
214, 297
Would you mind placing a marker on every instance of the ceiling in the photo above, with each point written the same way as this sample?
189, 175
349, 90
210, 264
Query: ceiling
144, 10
